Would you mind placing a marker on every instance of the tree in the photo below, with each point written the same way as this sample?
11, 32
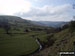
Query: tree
72, 26
4, 24
65, 26
7, 28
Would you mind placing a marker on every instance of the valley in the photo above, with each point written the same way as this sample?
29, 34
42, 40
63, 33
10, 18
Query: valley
19, 37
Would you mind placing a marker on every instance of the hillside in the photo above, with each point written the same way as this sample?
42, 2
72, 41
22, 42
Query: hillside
17, 21
64, 42
18, 24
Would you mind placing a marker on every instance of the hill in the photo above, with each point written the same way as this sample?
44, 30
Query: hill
18, 24
51, 23
64, 41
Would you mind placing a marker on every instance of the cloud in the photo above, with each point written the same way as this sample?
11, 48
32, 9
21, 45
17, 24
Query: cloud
49, 13
13, 6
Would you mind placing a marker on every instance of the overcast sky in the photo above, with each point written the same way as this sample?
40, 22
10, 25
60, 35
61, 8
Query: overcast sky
39, 10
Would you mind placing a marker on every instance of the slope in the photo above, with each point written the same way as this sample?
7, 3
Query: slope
64, 42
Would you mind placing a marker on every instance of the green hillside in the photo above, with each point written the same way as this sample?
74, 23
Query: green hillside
16, 45
64, 42
19, 25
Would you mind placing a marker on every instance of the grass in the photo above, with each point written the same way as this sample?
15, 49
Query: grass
64, 42
17, 44
2, 30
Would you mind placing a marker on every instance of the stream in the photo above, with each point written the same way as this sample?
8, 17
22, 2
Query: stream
39, 44
40, 47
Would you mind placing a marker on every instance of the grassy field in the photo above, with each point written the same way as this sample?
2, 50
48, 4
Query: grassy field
17, 44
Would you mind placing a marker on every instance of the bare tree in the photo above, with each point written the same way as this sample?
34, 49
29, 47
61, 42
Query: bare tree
5, 24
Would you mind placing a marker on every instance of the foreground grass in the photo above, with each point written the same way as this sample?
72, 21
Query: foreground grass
17, 44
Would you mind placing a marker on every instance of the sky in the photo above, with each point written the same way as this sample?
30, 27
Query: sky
39, 10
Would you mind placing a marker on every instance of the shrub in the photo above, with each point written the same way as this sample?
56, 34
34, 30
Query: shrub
72, 26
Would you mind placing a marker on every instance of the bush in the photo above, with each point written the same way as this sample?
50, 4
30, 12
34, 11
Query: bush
65, 26
72, 26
